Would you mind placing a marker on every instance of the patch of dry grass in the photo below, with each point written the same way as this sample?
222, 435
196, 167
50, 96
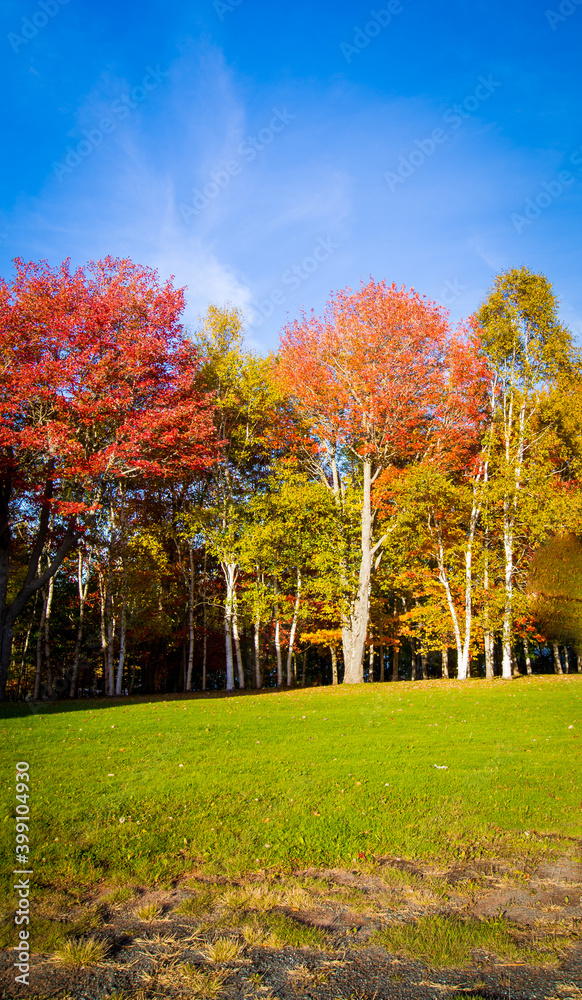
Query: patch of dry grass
80, 953
202, 984
149, 912
223, 950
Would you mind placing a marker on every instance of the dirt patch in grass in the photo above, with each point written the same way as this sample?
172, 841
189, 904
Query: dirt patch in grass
390, 928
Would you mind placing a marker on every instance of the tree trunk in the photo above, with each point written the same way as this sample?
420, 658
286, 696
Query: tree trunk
293, 627
47, 639
257, 651
463, 644
445, 656
122, 625
508, 609
489, 657
509, 513
382, 668
190, 666
32, 582
355, 628
514, 663
110, 627
566, 661
204, 619
488, 640
23, 673
424, 665
303, 673
236, 637
278, 636
557, 660
229, 570
371, 664
82, 589
333, 652
37, 675
527, 657
395, 658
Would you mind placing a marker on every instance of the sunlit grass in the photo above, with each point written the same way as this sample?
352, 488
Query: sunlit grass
140, 791
444, 942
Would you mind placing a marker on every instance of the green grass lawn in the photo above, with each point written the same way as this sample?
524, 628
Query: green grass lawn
141, 790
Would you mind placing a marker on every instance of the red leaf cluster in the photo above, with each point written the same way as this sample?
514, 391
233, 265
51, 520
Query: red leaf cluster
97, 377
381, 372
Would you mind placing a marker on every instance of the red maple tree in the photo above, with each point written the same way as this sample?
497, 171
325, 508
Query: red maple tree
97, 382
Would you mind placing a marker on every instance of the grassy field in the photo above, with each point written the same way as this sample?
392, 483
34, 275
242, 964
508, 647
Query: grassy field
142, 790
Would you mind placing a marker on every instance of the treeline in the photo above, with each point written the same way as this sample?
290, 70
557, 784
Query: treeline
383, 498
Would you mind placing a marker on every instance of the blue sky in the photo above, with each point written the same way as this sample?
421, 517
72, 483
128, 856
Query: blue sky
267, 155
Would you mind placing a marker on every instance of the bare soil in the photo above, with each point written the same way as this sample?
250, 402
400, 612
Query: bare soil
313, 933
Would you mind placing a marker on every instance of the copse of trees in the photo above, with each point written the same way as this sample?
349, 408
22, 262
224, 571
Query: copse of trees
177, 513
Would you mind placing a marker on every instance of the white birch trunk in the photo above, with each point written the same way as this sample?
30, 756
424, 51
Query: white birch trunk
83, 587
508, 608
122, 627
257, 649
293, 627
278, 636
229, 570
461, 668
110, 625
355, 629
